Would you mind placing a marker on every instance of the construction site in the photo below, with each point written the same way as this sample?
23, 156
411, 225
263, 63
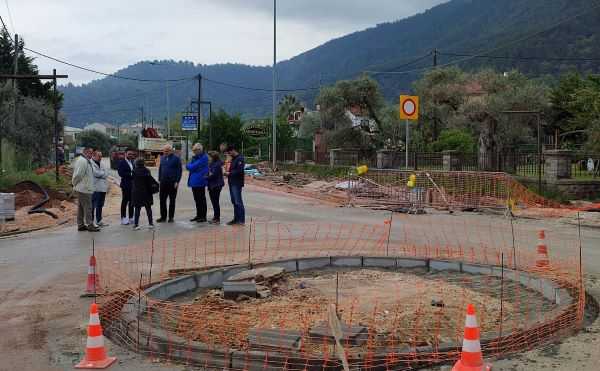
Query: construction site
377, 273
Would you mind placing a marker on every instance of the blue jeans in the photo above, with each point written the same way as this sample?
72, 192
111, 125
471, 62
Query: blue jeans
97, 205
239, 213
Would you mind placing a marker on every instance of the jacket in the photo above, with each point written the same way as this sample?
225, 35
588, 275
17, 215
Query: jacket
100, 177
126, 173
83, 176
215, 175
236, 171
169, 170
142, 187
198, 169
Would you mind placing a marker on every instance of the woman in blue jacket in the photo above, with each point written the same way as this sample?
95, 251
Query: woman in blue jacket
215, 185
198, 168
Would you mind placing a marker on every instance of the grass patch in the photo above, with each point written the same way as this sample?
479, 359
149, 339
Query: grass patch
47, 180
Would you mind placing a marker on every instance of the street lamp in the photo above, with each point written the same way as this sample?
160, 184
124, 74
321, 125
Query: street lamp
274, 84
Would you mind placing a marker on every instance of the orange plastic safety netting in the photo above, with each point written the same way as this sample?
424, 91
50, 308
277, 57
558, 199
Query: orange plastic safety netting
400, 289
453, 190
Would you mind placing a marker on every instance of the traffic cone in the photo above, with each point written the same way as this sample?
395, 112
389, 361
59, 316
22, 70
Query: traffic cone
93, 279
95, 353
542, 260
471, 358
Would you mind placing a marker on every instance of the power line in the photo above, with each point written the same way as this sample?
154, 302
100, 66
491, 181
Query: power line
503, 46
10, 16
411, 62
236, 86
555, 59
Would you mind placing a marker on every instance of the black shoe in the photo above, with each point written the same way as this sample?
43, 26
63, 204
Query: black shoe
194, 219
93, 228
81, 229
233, 222
215, 221
201, 220
160, 220
171, 221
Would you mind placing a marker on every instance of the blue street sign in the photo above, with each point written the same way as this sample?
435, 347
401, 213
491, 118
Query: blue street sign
189, 122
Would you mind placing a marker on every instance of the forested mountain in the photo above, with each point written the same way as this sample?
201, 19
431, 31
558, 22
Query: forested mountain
552, 30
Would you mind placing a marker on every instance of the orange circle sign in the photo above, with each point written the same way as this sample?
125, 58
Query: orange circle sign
409, 107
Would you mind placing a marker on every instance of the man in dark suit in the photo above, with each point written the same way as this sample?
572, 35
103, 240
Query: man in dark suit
169, 176
125, 170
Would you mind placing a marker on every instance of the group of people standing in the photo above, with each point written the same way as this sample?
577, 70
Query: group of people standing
90, 183
206, 171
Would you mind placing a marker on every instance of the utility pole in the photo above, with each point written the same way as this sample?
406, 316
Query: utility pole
274, 131
56, 131
142, 118
435, 56
168, 112
199, 105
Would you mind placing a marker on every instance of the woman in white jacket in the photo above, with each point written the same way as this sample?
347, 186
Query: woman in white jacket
100, 188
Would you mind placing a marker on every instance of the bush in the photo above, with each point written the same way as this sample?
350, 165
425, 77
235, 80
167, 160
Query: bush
455, 140
46, 180
96, 140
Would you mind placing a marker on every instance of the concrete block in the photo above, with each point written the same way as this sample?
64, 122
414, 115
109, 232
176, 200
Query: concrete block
411, 263
346, 261
563, 298
232, 271
211, 279
287, 265
180, 286
313, 263
477, 269
354, 335
257, 360
231, 290
438, 265
274, 339
380, 262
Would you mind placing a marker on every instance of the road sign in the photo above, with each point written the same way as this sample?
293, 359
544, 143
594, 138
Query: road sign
189, 122
409, 107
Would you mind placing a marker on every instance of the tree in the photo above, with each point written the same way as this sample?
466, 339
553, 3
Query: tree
96, 140
456, 140
225, 129
289, 104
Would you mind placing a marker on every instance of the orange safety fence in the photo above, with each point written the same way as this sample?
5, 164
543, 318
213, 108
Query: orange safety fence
394, 317
453, 190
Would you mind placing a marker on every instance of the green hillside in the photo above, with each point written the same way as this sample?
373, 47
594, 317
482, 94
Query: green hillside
552, 30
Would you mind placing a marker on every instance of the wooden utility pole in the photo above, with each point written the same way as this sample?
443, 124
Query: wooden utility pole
199, 105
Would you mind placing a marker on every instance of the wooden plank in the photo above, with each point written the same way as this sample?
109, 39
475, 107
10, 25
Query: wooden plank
336, 330
274, 339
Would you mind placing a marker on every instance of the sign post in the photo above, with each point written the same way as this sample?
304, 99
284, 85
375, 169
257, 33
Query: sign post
409, 111
189, 122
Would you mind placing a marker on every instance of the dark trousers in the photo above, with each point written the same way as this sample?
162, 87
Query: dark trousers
126, 205
138, 211
239, 212
215, 195
200, 199
97, 205
167, 190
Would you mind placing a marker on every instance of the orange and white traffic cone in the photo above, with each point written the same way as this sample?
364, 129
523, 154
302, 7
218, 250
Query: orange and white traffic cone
93, 279
95, 353
542, 260
471, 358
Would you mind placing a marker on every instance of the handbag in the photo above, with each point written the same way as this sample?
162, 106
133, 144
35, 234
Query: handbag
154, 186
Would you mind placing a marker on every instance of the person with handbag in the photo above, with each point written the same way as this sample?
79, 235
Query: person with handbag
198, 171
143, 190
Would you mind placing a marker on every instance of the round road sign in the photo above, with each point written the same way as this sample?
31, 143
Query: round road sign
409, 107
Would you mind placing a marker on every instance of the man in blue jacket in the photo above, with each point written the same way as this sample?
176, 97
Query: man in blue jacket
198, 168
169, 176
125, 170
235, 178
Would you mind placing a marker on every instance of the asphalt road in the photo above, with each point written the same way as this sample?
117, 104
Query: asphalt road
43, 320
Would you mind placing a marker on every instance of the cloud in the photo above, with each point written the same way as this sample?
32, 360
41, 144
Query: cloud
111, 34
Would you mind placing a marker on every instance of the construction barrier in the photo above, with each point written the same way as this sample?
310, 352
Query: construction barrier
400, 288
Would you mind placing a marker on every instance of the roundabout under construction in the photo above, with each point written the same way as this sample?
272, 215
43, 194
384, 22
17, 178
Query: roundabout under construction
262, 297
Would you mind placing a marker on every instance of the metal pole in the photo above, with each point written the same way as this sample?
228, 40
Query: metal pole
274, 84
210, 127
407, 143
199, 106
168, 112
539, 135
55, 124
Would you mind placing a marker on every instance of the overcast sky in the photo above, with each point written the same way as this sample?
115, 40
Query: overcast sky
109, 35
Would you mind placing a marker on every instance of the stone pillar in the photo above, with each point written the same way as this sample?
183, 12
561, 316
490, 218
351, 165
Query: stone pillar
297, 157
557, 165
451, 161
333, 157
385, 159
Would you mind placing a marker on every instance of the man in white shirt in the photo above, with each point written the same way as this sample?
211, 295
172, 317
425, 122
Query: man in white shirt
83, 186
